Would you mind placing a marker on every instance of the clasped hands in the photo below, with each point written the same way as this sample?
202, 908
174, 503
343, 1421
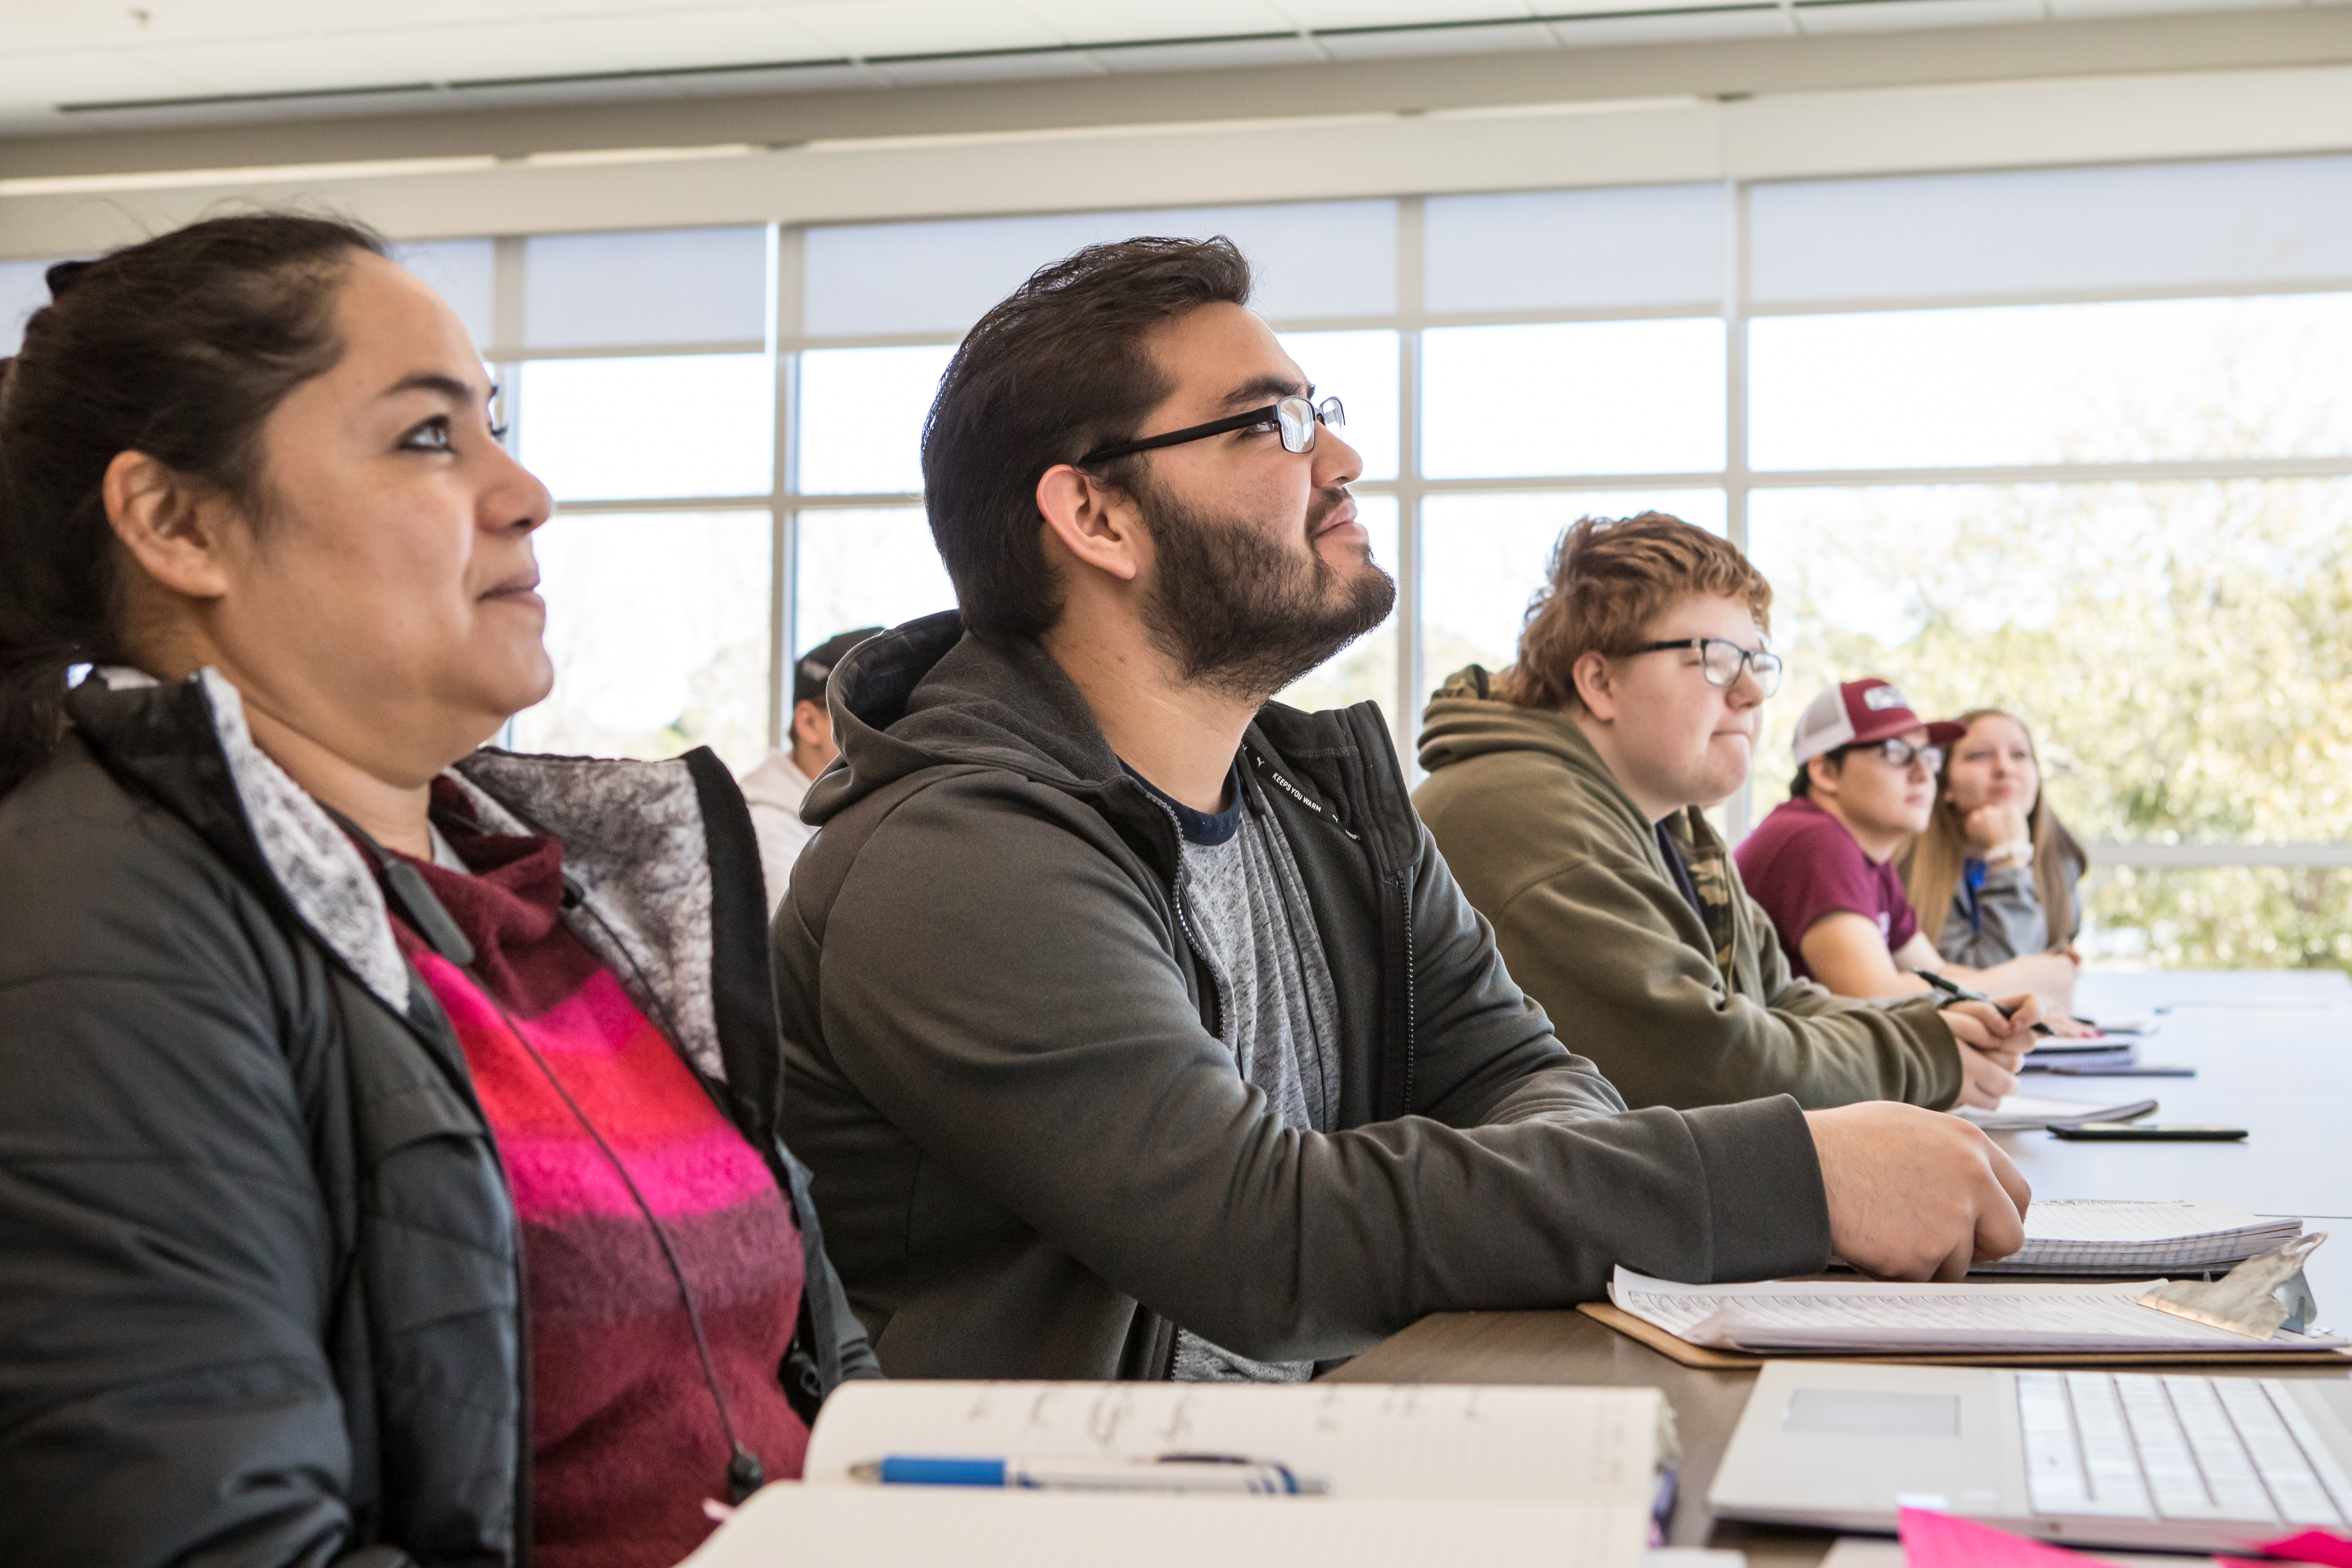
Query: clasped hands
1994, 1038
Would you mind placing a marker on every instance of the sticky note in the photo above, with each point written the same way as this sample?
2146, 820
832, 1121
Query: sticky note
1932, 1540
2313, 1546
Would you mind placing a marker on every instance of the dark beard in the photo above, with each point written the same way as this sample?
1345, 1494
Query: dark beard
1242, 616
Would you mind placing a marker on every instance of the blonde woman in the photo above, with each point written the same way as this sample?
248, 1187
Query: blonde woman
1994, 859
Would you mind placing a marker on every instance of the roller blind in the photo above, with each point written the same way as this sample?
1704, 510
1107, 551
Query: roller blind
1555, 250
672, 286
2193, 226
1311, 261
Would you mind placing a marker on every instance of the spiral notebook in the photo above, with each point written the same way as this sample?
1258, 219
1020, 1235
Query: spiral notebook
2026, 1112
2087, 1236
1830, 1318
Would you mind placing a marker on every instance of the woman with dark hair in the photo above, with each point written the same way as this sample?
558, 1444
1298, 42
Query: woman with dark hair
1994, 859
389, 1170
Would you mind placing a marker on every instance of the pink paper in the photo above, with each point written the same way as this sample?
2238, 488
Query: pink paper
2313, 1546
1932, 1540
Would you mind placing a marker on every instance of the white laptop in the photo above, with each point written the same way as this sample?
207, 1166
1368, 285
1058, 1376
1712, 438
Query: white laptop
2175, 1461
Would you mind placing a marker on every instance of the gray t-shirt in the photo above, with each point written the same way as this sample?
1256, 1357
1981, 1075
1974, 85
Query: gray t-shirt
1247, 915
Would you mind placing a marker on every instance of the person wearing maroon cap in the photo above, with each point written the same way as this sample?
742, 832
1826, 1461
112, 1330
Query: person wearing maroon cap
1568, 796
1822, 864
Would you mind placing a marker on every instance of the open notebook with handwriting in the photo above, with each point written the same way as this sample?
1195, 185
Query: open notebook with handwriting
1408, 1474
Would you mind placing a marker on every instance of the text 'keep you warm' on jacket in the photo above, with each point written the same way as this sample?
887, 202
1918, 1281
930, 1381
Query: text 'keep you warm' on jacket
1034, 1155
1680, 1006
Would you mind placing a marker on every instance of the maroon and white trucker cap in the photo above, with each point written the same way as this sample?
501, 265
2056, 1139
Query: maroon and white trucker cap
1856, 712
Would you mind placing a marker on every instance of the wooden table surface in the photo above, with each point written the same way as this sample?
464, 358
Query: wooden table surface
2274, 1054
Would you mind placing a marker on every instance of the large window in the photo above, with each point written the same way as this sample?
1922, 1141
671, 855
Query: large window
2068, 441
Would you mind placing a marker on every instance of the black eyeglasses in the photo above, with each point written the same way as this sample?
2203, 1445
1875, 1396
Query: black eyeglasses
1295, 417
1902, 753
1721, 660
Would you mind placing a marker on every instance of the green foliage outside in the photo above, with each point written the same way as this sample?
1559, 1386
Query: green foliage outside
2182, 652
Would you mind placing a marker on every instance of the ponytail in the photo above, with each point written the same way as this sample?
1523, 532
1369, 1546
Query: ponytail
46, 625
179, 348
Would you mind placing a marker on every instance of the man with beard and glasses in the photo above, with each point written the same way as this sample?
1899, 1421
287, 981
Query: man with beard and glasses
1135, 1028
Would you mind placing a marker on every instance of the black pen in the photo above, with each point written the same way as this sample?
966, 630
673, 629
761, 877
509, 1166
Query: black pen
1959, 993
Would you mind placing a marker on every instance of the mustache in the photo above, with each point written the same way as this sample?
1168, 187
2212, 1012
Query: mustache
1326, 500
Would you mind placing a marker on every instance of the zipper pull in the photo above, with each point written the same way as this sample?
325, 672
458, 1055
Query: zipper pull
424, 912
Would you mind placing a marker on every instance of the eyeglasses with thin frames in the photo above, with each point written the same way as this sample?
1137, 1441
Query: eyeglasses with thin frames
1293, 417
1721, 660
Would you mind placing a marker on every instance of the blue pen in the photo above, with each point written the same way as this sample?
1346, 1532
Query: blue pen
1168, 1473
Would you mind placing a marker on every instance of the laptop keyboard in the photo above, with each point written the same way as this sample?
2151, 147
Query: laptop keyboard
2141, 1445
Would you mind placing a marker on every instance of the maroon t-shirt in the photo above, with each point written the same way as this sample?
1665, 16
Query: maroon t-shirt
1801, 864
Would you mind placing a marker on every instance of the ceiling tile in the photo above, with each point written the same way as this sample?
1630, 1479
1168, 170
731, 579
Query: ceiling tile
795, 79
341, 16
916, 27
690, 39
1674, 28
48, 24
570, 10
55, 51
1886, 15
1211, 57
525, 93
988, 68
86, 77
436, 54
29, 23
1319, 13
2065, 8
1117, 21
1491, 40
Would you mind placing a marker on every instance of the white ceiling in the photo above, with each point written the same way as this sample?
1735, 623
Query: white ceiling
58, 57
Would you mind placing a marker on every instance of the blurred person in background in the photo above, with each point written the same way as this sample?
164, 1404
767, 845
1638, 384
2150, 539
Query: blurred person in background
1823, 862
390, 1170
1569, 796
1994, 857
775, 789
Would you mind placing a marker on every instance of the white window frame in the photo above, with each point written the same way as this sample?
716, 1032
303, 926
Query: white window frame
784, 504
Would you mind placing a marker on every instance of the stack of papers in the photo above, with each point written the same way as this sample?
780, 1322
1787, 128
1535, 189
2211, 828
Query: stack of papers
1786, 1318
2024, 1112
2097, 1237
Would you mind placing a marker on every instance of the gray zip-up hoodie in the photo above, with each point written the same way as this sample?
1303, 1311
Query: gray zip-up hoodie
1033, 1155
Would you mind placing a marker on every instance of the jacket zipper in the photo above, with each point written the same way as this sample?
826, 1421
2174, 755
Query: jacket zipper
1412, 991
523, 1465
1216, 988
1383, 872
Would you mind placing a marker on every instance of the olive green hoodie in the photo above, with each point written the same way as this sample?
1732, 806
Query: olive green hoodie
1676, 1009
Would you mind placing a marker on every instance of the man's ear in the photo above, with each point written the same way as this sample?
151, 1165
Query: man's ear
1590, 674
1093, 523
812, 724
1825, 774
172, 526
